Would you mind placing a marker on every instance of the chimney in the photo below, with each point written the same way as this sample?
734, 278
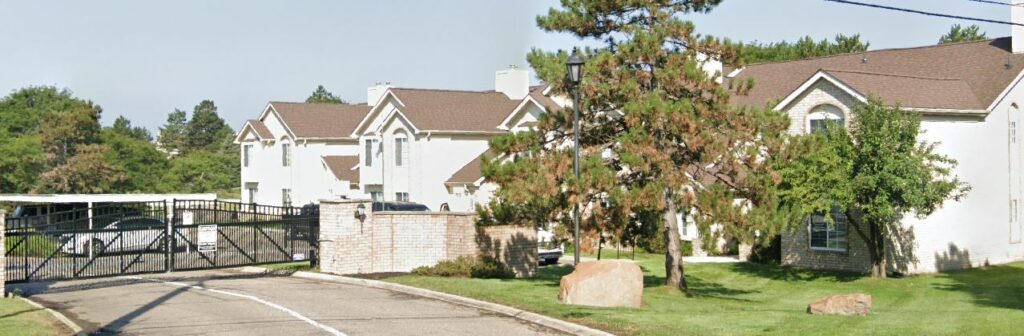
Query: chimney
1017, 32
712, 66
376, 91
514, 83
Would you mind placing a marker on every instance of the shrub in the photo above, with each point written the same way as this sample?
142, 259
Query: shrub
467, 267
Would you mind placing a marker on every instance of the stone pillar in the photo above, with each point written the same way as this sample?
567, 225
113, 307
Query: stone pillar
745, 251
345, 241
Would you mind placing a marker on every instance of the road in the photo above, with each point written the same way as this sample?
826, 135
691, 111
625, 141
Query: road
225, 302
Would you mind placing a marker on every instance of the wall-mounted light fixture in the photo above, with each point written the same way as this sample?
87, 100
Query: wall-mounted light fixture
360, 212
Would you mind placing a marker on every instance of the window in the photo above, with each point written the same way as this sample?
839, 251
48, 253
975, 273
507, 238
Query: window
828, 236
402, 196
401, 151
369, 152
286, 197
821, 115
251, 188
377, 196
246, 151
286, 155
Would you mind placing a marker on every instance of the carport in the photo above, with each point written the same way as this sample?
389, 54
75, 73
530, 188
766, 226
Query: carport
48, 202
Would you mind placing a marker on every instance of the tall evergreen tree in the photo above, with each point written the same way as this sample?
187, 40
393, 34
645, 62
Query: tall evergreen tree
172, 134
958, 33
322, 96
805, 47
124, 127
657, 134
206, 130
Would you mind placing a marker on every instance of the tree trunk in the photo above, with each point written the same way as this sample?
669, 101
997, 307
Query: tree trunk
600, 243
673, 254
877, 247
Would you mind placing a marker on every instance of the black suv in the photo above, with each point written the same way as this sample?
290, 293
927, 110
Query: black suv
399, 206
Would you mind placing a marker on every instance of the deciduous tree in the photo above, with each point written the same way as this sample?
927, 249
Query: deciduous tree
87, 172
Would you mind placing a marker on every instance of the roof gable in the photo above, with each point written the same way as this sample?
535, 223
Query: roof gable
978, 73
319, 121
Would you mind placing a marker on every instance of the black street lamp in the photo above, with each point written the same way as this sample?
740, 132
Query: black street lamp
575, 67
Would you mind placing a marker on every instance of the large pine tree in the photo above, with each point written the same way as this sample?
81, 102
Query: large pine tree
658, 134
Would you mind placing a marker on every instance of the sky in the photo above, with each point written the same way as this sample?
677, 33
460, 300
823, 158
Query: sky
143, 59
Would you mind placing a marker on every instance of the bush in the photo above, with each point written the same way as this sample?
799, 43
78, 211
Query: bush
467, 267
686, 247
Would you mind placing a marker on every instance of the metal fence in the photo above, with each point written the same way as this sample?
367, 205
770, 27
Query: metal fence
131, 238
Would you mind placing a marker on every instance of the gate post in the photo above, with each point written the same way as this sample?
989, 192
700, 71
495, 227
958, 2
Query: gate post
3, 262
169, 243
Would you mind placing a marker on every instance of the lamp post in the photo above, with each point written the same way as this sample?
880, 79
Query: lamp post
575, 67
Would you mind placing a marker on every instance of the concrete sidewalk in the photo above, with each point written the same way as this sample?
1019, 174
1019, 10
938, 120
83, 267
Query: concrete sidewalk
227, 302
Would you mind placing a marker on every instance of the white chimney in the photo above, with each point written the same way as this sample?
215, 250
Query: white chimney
374, 93
513, 82
1017, 32
713, 67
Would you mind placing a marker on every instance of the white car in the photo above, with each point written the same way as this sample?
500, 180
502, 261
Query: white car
136, 234
548, 248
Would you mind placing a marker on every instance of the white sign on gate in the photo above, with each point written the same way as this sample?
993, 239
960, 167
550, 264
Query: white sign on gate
207, 240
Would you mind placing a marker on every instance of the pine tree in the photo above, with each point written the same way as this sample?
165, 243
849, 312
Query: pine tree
958, 33
322, 96
172, 135
206, 130
658, 135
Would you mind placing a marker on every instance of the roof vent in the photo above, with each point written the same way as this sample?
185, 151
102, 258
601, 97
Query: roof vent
864, 59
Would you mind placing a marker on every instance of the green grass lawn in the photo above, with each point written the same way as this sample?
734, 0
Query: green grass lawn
19, 318
746, 298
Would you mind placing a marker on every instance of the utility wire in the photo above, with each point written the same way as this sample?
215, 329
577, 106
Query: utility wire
914, 11
998, 3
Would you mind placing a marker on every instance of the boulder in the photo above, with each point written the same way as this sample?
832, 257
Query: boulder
604, 283
846, 305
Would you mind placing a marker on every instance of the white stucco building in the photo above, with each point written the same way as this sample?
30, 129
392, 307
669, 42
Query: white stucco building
414, 145
969, 96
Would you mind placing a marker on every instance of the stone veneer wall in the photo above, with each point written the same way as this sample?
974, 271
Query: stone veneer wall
386, 242
796, 251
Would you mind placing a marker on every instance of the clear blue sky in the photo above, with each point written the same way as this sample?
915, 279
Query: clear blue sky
143, 59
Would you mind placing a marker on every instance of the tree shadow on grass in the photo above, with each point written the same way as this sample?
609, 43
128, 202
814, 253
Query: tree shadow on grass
785, 273
993, 286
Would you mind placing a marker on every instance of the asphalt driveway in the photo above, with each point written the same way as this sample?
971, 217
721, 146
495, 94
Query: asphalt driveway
227, 302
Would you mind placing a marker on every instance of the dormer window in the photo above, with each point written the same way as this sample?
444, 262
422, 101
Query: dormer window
821, 115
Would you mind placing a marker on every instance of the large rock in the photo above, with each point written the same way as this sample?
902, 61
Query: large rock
846, 305
604, 283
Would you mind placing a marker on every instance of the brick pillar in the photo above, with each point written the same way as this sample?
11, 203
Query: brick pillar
346, 242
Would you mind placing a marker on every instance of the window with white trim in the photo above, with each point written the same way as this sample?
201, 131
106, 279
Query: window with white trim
286, 197
286, 155
825, 235
821, 115
369, 153
377, 196
401, 151
246, 152
252, 189
402, 196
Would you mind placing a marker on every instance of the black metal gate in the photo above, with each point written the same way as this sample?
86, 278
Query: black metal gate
132, 238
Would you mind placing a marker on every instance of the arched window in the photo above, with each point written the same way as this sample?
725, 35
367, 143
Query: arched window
820, 115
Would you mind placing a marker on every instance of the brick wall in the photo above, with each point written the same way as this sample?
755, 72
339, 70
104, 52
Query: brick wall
400, 241
796, 251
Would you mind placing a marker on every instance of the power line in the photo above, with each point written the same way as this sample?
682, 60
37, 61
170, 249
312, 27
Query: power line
997, 3
914, 11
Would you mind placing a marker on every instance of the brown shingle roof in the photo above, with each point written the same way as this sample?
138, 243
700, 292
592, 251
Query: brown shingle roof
470, 173
344, 167
448, 110
980, 65
261, 129
537, 92
909, 91
307, 120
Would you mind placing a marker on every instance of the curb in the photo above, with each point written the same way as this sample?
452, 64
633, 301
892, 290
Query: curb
75, 329
519, 314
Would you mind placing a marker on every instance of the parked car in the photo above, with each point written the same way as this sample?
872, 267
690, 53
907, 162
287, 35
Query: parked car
549, 250
137, 233
399, 206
